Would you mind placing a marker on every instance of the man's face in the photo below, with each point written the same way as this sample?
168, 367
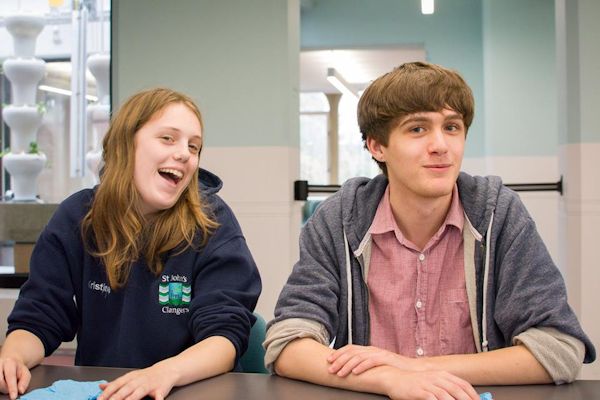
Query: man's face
424, 154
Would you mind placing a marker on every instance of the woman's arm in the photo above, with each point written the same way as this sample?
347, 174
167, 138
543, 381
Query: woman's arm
21, 351
212, 356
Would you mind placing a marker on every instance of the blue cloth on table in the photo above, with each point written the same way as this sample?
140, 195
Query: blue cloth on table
66, 390
486, 396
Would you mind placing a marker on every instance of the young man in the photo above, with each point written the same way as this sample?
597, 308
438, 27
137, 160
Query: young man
425, 280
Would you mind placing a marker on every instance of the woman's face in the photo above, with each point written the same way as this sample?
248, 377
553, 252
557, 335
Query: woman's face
167, 148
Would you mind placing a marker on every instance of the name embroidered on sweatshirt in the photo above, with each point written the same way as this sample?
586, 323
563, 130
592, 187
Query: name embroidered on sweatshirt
99, 287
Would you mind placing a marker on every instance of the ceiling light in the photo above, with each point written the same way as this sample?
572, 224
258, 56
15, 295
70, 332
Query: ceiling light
427, 6
340, 83
64, 92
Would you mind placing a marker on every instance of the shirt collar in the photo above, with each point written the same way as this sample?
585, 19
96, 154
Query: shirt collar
384, 218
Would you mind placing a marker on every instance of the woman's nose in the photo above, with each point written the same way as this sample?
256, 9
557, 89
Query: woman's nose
181, 156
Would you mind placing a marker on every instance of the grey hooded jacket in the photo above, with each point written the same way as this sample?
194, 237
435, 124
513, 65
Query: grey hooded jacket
516, 293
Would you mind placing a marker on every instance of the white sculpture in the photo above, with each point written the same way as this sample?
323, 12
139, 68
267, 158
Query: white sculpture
24, 162
99, 113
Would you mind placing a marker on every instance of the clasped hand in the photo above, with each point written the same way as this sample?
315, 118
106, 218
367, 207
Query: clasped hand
358, 359
407, 379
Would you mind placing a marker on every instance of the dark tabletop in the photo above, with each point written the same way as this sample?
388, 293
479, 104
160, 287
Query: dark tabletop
235, 386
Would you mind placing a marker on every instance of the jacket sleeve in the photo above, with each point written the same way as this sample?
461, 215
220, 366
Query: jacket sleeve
560, 354
308, 303
226, 285
531, 304
46, 305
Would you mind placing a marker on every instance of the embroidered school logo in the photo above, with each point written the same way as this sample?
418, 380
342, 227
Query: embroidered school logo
174, 294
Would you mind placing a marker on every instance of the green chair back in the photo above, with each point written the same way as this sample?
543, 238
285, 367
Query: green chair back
253, 359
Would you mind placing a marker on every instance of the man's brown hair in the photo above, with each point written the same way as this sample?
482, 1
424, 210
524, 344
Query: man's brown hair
411, 88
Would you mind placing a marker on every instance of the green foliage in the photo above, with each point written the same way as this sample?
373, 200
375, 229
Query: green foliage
41, 108
33, 148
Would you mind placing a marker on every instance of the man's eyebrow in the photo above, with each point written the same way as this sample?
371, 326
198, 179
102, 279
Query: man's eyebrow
414, 118
453, 116
421, 118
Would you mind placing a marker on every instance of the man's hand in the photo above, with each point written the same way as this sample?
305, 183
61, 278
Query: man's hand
358, 359
428, 385
154, 381
14, 376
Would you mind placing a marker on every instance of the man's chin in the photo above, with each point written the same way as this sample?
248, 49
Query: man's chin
438, 191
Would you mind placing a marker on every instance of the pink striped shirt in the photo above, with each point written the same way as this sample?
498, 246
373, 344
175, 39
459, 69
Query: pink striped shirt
418, 299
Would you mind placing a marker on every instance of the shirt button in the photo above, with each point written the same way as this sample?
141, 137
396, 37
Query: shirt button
419, 304
421, 257
420, 351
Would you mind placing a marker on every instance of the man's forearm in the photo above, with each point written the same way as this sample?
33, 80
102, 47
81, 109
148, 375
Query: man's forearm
306, 360
509, 366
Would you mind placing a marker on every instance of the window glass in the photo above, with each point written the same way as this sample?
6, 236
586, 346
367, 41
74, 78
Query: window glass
66, 146
41, 126
354, 159
313, 102
314, 109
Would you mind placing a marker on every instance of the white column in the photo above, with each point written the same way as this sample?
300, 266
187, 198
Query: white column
578, 64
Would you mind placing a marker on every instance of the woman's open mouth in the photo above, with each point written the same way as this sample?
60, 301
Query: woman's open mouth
171, 174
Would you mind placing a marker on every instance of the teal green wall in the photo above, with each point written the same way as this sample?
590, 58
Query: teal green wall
520, 78
238, 59
579, 66
588, 65
452, 36
505, 49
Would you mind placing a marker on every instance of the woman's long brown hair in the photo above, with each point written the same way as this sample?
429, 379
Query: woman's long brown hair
114, 229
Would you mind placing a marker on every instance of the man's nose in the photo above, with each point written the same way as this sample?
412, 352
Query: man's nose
438, 143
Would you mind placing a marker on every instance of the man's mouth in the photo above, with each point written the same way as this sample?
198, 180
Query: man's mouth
171, 174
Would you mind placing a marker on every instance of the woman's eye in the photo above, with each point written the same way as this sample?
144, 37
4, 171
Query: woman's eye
194, 148
168, 138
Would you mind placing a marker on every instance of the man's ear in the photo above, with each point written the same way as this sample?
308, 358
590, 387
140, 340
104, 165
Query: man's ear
375, 148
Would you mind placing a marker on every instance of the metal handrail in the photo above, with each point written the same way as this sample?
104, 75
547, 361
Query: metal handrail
302, 188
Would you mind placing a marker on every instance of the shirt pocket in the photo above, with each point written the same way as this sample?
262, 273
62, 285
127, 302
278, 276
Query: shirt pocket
456, 333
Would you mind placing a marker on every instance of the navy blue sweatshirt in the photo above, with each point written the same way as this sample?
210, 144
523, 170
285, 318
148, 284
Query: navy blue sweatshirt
210, 291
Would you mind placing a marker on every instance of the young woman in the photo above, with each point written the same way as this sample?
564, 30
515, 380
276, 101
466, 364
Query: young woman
149, 269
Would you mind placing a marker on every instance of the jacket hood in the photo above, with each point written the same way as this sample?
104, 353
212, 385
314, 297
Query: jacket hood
209, 183
359, 200
480, 196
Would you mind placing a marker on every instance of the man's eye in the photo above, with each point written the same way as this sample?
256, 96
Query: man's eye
453, 127
417, 129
